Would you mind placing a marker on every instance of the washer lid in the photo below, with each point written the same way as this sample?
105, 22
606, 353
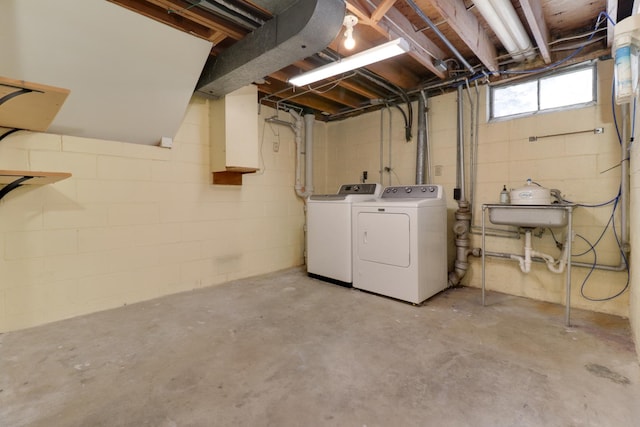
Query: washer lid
328, 197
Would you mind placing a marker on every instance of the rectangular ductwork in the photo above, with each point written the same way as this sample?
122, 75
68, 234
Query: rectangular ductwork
303, 29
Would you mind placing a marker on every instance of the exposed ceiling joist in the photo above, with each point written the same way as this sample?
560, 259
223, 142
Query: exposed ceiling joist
612, 11
284, 93
469, 29
381, 10
535, 17
172, 10
423, 49
336, 94
177, 21
559, 28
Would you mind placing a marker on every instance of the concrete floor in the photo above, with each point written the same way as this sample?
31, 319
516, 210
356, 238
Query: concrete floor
286, 350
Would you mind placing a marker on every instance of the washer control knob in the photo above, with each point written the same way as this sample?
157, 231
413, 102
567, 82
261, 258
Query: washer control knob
407, 189
432, 189
395, 190
423, 189
356, 188
387, 190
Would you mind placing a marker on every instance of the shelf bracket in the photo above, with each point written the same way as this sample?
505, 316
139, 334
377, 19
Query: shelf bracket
12, 95
12, 186
9, 132
9, 96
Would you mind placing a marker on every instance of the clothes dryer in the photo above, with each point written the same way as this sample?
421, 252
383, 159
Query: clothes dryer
329, 232
399, 243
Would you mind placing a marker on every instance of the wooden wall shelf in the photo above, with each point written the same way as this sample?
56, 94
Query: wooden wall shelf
232, 176
28, 106
14, 179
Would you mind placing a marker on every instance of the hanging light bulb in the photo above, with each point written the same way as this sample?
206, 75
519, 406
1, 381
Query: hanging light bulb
349, 22
349, 41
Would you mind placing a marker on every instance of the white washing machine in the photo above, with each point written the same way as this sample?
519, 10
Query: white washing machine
329, 232
400, 243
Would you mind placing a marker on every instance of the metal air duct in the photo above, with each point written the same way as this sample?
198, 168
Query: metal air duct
301, 30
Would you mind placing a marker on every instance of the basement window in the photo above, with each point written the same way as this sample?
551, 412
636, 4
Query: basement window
571, 88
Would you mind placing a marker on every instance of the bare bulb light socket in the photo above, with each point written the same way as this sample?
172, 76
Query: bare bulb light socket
349, 22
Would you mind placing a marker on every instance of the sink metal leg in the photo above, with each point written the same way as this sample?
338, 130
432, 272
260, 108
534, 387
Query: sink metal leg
483, 256
567, 310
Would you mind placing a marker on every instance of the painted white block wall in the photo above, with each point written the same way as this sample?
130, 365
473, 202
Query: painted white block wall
574, 164
136, 222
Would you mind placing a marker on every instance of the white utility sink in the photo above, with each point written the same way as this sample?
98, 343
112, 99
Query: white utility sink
529, 215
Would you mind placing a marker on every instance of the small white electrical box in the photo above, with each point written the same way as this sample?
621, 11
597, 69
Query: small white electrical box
166, 142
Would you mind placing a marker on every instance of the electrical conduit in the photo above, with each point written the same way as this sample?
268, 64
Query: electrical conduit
422, 140
302, 191
309, 120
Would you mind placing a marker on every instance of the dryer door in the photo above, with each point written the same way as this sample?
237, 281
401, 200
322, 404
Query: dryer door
384, 238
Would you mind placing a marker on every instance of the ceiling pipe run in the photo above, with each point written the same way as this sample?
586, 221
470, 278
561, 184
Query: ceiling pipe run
301, 30
504, 21
439, 33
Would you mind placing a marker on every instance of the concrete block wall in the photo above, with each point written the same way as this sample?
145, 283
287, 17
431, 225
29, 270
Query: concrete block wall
575, 164
136, 222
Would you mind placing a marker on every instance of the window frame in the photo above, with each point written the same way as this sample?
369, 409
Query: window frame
566, 70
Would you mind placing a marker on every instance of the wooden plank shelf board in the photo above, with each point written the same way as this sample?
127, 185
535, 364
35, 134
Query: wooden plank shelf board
38, 178
10, 180
232, 176
29, 106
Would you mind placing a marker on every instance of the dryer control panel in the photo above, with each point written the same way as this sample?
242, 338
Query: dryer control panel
412, 192
358, 189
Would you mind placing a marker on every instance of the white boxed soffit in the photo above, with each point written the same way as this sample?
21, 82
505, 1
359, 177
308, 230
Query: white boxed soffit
131, 78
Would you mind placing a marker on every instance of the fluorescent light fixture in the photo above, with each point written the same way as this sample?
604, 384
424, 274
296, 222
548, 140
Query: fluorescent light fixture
369, 56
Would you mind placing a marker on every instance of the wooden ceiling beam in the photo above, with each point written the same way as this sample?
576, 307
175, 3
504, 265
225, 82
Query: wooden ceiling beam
535, 17
353, 87
381, 10
159, 14
469, 29
423, 49
302, 98
612, 11
199, 16
338, 94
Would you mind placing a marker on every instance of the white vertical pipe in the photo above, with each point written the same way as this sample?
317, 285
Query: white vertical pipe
298, 140
390, 141
382, 146
460, 152
421, 149
309, 120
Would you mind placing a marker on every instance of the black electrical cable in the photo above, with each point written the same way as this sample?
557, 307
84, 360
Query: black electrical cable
592, 248
593, 267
